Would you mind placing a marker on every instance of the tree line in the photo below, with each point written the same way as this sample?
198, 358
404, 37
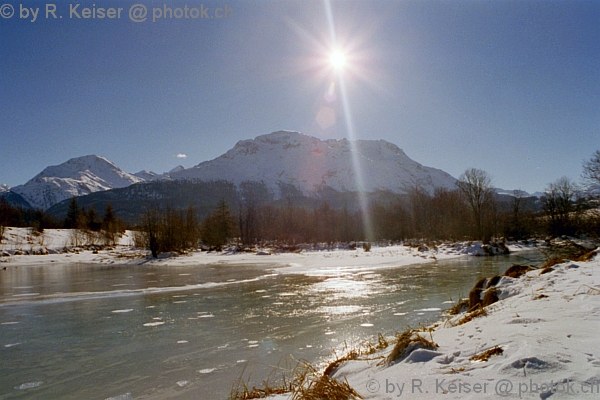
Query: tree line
108, 225
471, 211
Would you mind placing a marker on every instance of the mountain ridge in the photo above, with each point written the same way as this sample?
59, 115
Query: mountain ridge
76, 177
310, 163
283, 162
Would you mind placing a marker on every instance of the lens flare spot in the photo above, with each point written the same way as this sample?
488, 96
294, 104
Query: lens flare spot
338, 60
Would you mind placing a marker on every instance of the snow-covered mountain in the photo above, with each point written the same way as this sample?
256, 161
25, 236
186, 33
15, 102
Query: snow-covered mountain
514, 193
76, 177
283, 157
153, 176
310, 163
178, 168
4, 188
148, 175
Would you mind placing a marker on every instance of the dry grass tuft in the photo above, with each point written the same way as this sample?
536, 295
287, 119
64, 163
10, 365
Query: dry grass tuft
552, 262
364, 349
314, 386
304, 383
334, 365
408, 341
546, 270
587, 256
591, 290
241, 391
484, 356
517, 270
460, 306
476, 313
455, 370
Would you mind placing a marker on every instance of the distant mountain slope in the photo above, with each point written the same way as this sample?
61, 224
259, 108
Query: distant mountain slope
310, 164
130, 202
147, 175
14, 199
285, 164
76, 177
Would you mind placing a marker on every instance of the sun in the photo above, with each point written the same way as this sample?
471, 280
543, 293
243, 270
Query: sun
337, 60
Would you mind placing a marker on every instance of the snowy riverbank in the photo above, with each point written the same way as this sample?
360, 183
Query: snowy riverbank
21, 247
539, 341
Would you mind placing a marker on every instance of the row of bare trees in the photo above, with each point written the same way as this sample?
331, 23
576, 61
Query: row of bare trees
172, 230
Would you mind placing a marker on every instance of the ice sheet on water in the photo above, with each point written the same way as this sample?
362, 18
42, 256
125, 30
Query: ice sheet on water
11, 345
125, 396
182, 383
29, 385
123, 311
430, 309
206, 370
182, 341
9, 323
154, 323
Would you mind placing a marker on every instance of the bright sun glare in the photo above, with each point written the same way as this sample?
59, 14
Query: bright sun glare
337, 60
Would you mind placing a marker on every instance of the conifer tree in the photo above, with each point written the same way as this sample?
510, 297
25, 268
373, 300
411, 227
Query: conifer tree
72, 214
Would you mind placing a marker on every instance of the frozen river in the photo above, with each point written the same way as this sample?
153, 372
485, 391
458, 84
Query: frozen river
154, 332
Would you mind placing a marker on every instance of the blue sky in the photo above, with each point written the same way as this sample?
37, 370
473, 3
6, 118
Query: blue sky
510, 87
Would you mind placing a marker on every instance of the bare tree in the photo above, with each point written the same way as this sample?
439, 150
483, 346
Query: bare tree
476, 187
151, 226
218, 227
5, 213
591, 170
560, 203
